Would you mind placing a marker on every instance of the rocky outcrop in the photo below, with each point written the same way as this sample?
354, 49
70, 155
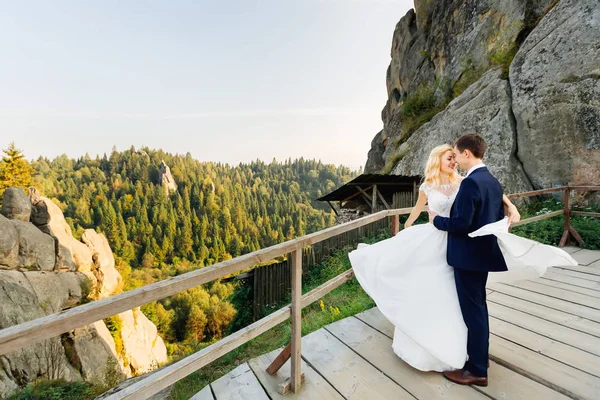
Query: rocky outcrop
9, 244
375, 160
555, 81
15, 204
71, 253
142, 346
550, 99
87, 353
97, 354
165, 178
36, 249
57, 291
485, 108
33, 284
441, 43
19, 303
107, 278
39, 211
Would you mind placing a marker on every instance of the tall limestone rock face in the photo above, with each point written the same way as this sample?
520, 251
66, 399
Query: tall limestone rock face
34, 284
555, 81
546, 98
484, 107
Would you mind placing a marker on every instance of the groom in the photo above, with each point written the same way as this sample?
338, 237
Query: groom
478, 202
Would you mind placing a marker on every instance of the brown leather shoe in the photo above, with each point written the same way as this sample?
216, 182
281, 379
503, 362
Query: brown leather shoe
464, 377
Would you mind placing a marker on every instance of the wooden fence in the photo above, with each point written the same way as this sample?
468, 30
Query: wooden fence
271, 284
25, 334
404, 199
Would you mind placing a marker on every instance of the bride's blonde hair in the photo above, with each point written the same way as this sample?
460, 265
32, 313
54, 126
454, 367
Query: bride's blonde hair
433, 173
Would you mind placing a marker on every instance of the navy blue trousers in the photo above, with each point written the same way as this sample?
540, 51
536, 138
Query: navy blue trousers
470, 287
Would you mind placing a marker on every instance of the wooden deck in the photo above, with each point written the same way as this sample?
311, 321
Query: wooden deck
544, 344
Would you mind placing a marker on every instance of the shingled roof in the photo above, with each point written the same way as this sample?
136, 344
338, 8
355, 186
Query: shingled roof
386, 184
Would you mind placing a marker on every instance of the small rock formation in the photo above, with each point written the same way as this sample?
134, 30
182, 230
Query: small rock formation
165, 177
44, 270
141, 343
36, 249
15, 204
108, 280
9, 244
72, 255
97, 354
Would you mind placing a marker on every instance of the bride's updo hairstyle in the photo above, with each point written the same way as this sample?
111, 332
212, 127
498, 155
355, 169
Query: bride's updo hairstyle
434, 165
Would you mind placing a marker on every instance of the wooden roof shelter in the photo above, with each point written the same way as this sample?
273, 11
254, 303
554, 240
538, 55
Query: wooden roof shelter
371, 189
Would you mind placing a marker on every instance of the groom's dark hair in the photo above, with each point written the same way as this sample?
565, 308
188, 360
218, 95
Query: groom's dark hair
472, 142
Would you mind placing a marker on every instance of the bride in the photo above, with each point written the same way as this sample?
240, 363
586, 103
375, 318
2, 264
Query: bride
410, 281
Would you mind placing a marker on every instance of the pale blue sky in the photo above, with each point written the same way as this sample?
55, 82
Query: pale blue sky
227, 81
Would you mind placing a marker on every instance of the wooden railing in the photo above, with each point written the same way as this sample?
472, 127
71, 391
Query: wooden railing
31, 332
569, 230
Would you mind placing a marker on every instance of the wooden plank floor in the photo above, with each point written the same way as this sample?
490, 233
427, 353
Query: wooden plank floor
544, 344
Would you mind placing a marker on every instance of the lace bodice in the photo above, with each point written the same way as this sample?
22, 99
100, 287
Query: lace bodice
440, 199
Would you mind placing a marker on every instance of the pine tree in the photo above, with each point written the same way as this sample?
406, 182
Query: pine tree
15, 170
196, 324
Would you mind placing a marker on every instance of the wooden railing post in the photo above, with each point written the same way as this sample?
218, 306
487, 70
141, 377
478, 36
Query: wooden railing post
566, 216
374, 203
296, 307
569, 230
395, 224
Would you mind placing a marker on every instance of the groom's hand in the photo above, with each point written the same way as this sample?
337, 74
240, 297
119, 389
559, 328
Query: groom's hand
513, 214
432, 215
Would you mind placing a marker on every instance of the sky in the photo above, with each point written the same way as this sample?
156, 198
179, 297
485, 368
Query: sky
228, 81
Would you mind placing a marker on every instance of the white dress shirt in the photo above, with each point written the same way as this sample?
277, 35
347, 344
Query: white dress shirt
474, 167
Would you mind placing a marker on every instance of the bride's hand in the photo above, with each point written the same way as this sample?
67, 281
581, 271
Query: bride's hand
513, 214
407, 225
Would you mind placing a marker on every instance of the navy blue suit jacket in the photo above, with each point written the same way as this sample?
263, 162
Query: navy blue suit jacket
478, 203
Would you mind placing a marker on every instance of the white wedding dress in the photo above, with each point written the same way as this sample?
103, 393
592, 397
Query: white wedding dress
410, 281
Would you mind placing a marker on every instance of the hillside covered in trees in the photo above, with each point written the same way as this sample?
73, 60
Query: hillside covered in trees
216, 212
202, 213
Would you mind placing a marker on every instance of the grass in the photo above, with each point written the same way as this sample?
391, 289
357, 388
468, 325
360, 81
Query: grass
412, 123
417, 109
549, 231
54, 390
504, 58
393, 160
345, 301
469, 77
